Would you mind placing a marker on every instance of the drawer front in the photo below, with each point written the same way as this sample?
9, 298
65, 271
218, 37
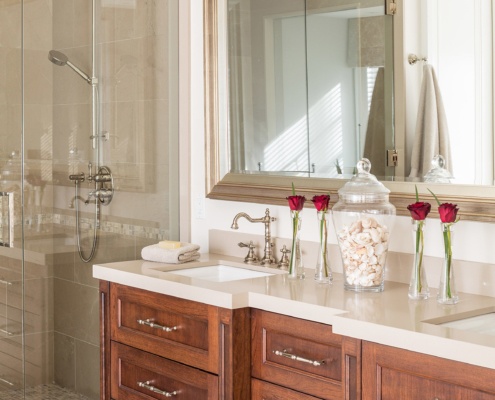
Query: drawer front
267, 391
178, 329
298, 354
137, 375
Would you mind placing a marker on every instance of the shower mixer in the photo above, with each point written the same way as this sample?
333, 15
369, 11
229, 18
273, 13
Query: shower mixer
103, 180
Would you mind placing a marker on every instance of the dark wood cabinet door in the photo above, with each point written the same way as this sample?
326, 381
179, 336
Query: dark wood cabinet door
390, 373
304, 356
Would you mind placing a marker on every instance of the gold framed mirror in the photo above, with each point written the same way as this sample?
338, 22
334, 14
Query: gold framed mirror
475, 202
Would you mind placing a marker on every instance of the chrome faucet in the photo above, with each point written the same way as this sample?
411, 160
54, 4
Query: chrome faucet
268, 258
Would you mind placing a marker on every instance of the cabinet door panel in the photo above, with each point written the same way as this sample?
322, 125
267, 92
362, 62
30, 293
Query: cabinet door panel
138, 375
390, 373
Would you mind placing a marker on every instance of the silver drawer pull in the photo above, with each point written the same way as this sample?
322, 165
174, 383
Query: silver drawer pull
147, 385
284, 353
151, 324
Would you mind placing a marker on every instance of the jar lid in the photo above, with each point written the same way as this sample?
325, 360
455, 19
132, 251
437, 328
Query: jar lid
438, 173
363, 186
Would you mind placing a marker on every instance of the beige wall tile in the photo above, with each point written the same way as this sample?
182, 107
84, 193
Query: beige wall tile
65, 360
82, 28
76, 311
38, 23
87, 376
63, 24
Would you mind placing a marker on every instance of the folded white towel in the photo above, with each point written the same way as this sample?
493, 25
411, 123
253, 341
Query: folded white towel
187, 252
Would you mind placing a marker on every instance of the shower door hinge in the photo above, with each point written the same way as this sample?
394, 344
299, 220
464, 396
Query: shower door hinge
392, 158
390, 7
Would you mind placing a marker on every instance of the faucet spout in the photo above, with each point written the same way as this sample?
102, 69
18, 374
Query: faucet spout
268, 258
244, 215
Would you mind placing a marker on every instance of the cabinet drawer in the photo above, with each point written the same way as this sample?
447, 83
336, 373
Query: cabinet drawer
261, 390
174, 328
302, 355
138, 375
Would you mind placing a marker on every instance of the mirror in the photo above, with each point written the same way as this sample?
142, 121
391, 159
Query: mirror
272, 187
310, 84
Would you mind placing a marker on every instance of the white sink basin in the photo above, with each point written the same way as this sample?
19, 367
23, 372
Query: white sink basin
220, 273
484, 324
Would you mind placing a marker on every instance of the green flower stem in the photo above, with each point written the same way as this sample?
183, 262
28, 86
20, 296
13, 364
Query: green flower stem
323, 242
419, 254
447, 240
295, 228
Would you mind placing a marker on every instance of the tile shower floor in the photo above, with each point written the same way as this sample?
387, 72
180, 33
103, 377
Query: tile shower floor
42, 392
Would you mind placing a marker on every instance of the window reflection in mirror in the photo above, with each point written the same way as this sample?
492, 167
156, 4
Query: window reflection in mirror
310, 86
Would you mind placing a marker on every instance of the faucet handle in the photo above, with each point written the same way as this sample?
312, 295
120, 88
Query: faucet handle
284, 261
251, 257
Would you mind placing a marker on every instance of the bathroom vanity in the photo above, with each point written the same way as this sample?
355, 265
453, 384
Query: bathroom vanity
169, 333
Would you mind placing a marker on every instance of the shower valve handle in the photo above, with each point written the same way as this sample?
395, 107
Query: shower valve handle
77, 177
90, 174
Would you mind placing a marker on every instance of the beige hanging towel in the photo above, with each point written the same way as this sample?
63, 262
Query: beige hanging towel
432, 132
374, 144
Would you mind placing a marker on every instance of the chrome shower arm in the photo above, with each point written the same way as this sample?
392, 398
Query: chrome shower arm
81, 73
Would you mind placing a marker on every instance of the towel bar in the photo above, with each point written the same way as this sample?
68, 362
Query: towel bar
413, 59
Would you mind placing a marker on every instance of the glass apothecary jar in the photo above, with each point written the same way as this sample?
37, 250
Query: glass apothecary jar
363, 218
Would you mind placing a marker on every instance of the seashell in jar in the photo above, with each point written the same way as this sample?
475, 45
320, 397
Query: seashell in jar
363, 247
366, 223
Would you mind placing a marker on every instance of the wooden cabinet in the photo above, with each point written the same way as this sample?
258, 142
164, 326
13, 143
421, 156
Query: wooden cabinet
392, 373
153, 344
303, 356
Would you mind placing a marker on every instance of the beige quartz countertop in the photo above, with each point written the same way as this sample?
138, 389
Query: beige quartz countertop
388, 317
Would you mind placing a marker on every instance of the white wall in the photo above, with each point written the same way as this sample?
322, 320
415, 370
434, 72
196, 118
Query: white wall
473, 240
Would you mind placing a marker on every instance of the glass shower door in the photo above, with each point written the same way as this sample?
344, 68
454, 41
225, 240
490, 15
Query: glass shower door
49, 301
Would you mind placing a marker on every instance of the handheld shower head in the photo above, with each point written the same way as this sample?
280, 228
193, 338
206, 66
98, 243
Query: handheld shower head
57, 58
61, 59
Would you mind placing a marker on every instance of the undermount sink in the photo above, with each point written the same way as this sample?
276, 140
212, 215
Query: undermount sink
484, 324
220, 273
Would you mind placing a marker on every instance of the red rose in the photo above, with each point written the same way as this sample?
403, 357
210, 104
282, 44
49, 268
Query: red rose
321, 202
448, 212
296, 203
419, 210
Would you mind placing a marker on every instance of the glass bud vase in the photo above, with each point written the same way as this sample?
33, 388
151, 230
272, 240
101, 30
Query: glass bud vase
296, 266
323, 272
418, 286
447, 293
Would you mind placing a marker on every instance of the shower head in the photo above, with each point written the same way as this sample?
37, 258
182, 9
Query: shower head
57, 57
61, 59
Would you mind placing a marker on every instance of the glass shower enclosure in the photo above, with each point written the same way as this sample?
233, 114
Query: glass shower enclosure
115, 129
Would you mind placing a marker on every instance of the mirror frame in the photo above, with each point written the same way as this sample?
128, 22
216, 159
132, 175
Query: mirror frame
476, 203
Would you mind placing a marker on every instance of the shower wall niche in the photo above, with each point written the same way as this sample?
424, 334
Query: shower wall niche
49, 305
